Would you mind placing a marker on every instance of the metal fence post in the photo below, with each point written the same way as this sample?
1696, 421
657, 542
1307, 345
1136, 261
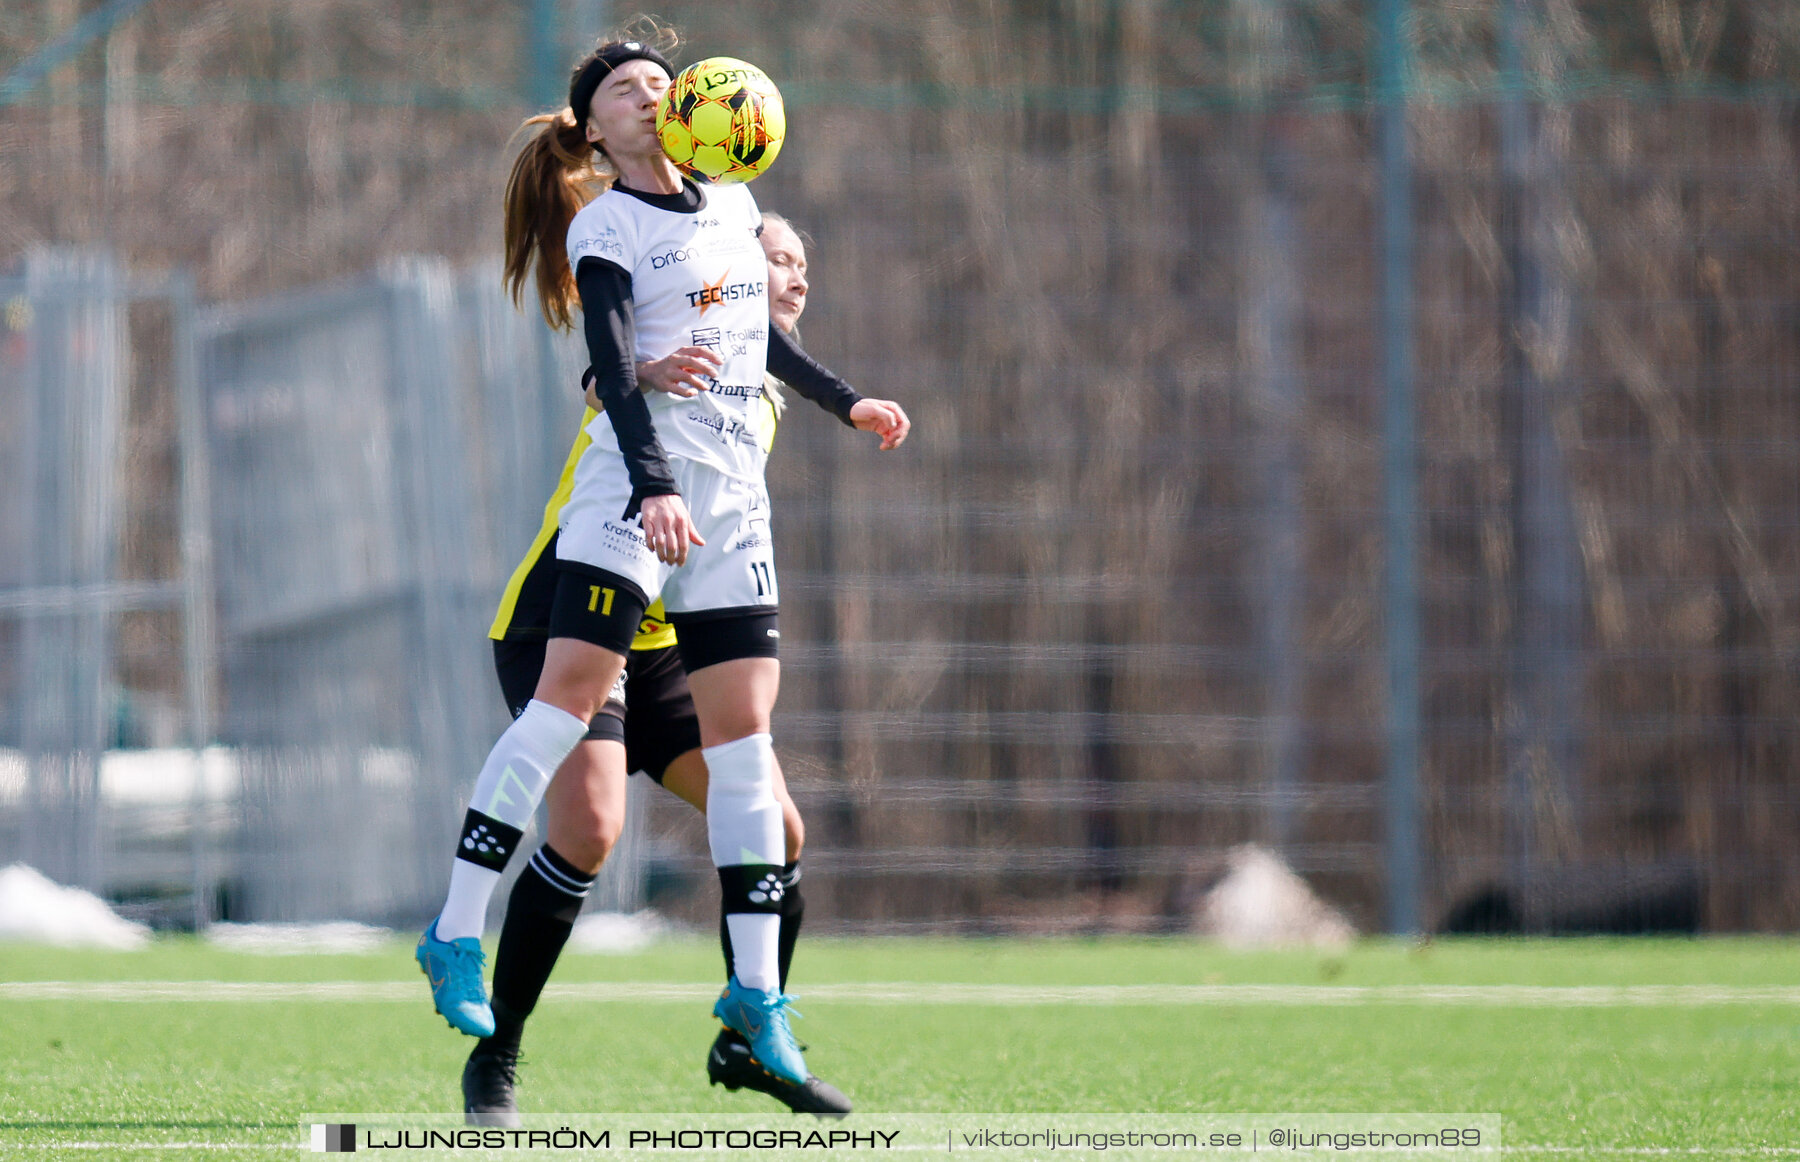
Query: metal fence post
66, 640
199, 656
1400, 470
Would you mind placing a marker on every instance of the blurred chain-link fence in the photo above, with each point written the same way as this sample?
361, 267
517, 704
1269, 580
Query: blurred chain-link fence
1126, 598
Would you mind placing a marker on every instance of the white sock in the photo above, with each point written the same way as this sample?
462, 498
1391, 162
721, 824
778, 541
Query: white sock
511, 784
466, 904
755, 949
743, 826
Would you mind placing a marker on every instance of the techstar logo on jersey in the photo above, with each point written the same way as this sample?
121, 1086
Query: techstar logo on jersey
714, 293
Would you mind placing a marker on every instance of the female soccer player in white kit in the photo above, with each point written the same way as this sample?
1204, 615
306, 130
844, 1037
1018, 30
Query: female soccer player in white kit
652, 729
668, 501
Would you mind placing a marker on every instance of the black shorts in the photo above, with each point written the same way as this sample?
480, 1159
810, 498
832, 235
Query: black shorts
660, 722
656, 721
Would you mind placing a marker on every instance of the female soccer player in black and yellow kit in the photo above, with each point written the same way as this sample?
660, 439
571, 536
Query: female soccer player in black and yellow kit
649, 726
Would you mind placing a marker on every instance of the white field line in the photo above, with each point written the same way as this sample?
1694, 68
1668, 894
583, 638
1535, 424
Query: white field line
127, 1144
923, 993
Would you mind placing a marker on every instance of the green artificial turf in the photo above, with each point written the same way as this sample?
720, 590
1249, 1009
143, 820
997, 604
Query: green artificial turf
92, 1078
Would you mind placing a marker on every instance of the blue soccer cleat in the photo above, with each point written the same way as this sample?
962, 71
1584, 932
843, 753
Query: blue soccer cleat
762, 1018
454, 969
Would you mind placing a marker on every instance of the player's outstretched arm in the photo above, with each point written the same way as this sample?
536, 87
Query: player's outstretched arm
884, 417
803, 373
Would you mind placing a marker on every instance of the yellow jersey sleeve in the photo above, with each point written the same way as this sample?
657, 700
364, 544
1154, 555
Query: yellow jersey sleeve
565, 484
768, 409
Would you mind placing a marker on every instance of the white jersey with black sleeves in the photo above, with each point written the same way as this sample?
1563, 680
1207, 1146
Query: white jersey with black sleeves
698, 278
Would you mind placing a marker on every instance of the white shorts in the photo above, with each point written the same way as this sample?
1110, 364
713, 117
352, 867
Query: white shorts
734, 570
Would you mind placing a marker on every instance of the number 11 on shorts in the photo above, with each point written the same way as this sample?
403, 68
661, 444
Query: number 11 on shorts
759, 572
600, 599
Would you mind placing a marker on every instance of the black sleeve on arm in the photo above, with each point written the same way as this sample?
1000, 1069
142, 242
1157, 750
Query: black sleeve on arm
801, 372
608, 323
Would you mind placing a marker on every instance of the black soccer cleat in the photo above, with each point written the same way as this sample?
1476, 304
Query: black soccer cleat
487, 1084
729, 1064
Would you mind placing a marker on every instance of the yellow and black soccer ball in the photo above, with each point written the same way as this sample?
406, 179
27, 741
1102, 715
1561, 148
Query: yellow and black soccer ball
721, 120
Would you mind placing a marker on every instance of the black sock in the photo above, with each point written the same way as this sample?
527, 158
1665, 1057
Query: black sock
509, 1028
793, 911
539, 916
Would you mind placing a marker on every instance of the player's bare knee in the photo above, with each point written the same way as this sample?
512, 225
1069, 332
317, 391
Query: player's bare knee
732, 672
586, 836
586, 805
587, 647
686, 778
726, 728
578, 690
795, 829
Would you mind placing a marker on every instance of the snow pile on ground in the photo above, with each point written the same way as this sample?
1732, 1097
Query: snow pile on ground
618, 932
298, 939
1261, 903
35, 908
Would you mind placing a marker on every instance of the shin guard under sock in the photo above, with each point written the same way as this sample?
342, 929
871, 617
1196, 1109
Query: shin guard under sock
512, 781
